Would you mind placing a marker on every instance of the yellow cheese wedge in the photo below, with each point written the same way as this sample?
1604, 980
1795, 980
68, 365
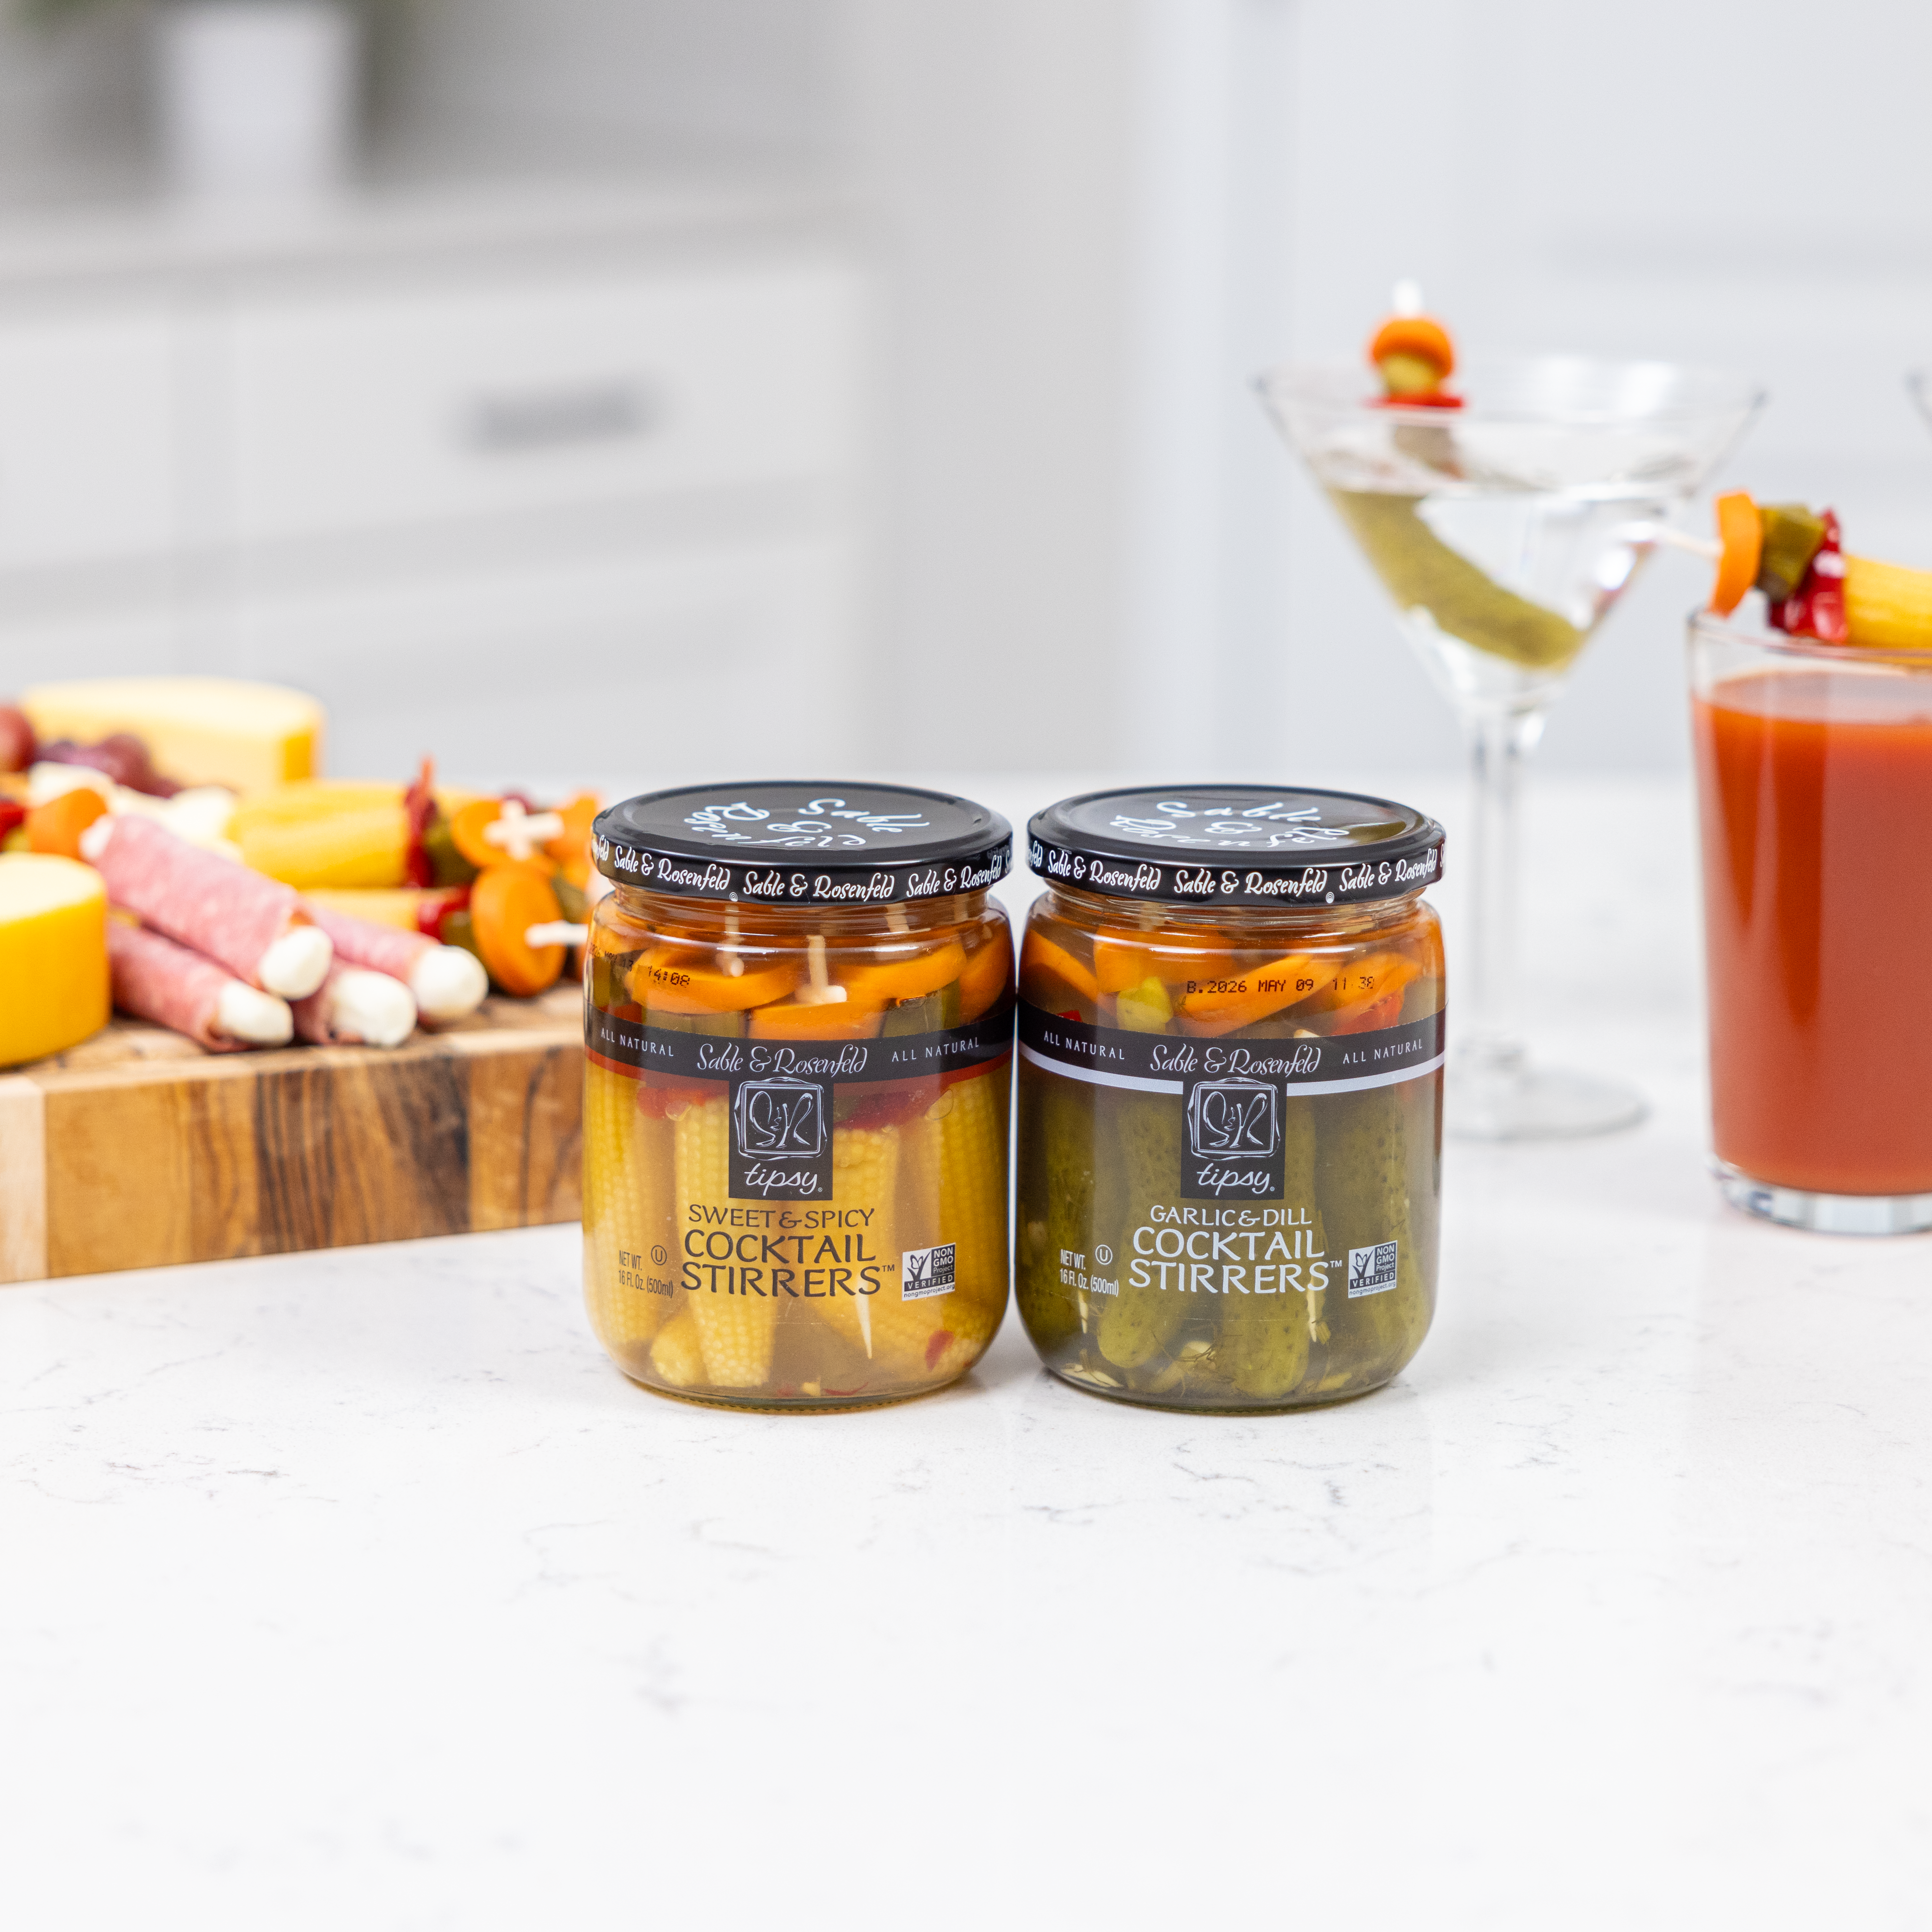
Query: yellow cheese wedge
201, 730
53, 955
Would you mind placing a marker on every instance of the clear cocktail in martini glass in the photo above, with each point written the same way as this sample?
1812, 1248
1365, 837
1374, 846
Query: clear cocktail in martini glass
1503, 529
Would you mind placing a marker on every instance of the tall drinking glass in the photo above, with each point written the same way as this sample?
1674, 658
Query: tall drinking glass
1504, 530
1814, 788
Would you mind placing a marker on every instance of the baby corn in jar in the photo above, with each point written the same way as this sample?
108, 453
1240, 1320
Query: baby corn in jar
1230, 1028
798, 1034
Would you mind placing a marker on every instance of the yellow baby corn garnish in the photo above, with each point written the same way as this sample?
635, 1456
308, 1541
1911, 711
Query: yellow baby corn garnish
736, 1331
626, 1156
973, 1184
677, 1358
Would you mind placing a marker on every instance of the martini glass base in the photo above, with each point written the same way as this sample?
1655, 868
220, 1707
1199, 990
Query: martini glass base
1497, 1095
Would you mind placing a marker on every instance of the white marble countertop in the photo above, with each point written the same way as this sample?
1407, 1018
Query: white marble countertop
356, 1588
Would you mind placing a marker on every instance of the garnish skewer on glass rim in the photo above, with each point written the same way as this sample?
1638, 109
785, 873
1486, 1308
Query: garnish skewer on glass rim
1505, 503
1812, 586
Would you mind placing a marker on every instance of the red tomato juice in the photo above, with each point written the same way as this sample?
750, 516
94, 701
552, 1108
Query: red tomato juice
1816, 796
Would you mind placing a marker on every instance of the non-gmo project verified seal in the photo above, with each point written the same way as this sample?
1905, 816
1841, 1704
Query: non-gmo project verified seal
1371, 1270
926, 1272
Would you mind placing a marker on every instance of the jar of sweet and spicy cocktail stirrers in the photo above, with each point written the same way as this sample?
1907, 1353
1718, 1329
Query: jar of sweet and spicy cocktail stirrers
798, 1032
1231, 1094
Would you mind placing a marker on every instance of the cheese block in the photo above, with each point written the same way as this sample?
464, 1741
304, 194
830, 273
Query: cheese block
53, 955
201, 731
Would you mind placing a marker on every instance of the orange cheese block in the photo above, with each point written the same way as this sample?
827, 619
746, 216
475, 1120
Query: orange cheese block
53, 955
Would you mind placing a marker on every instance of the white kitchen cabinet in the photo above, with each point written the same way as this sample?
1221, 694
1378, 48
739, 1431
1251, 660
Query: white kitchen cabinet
496, 480
393, 403
633, 661
89, 433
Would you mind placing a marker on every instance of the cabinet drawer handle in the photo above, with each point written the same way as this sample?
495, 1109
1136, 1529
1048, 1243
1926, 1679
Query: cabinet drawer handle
587, 412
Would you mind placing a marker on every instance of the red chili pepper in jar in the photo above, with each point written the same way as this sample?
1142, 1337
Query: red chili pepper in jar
888, 1105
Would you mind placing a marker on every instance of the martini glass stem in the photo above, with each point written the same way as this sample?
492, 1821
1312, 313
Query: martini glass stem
1501, 740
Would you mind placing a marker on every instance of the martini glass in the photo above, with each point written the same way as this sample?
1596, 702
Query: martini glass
1504, 531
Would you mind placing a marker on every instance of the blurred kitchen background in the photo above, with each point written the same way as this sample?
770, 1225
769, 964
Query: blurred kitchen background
685, 385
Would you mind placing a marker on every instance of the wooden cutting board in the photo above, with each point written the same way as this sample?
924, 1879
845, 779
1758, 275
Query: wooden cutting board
138, 1149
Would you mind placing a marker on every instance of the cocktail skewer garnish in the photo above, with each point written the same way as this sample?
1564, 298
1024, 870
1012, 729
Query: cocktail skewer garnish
519, 833
1812, 589
1414, 355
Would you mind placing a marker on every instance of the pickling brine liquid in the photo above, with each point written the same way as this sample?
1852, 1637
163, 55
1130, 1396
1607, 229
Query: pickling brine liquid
1228, 1190
1816, 807
797, 1084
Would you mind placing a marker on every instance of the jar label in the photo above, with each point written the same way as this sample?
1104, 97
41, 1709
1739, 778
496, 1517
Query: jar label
783, 1093
1232, 1092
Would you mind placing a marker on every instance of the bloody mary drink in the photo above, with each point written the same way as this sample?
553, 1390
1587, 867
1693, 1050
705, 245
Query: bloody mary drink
1814, 769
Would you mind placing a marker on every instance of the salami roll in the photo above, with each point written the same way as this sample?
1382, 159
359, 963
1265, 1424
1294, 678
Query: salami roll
446, 981
155, 979
355, 1008
251, 924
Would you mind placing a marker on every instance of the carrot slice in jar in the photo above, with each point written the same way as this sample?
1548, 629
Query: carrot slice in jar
1041, 955
667, 978
987, 973
838, 1019
1252, 994
903, 979
1120, 960
1378, 1013
1124, 957
1360, 983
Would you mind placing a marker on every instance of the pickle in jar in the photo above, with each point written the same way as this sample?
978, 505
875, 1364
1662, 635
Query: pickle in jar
1236, 1119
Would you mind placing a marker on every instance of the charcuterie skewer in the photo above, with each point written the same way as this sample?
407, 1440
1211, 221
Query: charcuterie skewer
446, 983
253, 926
154, 979
354, 1007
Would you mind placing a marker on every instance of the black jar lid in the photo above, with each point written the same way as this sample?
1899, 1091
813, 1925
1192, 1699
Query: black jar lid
803, 844
1219, 845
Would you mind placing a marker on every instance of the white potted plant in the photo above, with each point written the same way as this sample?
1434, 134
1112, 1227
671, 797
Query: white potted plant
251, 97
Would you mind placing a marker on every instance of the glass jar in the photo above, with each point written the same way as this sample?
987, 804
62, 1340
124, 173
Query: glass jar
1814, 781
1232, 1028
798, 1034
